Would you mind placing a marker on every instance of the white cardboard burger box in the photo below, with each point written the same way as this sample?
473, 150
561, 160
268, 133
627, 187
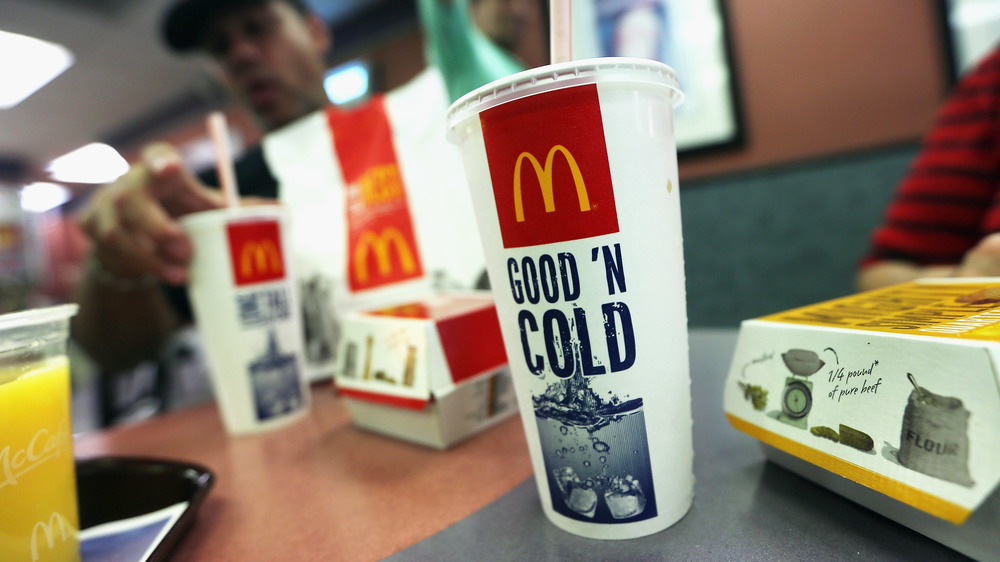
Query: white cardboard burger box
433, 372
888, 397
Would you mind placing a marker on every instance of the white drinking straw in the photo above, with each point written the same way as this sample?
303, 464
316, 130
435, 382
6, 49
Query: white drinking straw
219, 133
560, 31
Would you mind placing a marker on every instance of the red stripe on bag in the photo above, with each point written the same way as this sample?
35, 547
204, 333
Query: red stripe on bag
382, 247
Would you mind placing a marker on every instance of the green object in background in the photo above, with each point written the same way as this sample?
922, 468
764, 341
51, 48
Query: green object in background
465, 56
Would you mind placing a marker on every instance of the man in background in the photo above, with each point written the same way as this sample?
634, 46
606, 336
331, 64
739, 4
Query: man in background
271, 55
503, 21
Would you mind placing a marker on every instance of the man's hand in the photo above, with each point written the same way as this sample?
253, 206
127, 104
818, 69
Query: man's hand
133, 220
983, 260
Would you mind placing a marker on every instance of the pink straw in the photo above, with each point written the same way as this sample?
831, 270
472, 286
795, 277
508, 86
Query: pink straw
560, 31
219, 133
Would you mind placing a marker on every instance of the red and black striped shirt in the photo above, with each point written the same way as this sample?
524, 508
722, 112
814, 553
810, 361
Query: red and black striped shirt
950, 197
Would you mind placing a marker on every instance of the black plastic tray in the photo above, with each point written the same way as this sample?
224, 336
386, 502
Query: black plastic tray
115, 488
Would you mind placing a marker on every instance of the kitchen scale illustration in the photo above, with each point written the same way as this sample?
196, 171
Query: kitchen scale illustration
796, 398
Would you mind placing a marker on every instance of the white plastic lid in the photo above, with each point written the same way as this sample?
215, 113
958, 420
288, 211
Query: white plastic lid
36, 317
216, 216
625, 71
35, 330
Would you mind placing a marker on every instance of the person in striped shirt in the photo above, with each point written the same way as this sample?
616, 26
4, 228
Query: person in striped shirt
944, 220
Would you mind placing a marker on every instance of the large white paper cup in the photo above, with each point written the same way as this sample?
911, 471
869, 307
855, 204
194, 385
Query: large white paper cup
246, 305
573, 172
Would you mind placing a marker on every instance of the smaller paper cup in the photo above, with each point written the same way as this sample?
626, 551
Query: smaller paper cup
246, 304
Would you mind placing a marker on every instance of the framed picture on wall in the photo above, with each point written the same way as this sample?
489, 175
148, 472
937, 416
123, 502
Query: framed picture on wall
691, 36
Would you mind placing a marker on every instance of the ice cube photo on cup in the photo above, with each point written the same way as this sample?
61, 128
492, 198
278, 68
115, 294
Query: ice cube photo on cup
596, 453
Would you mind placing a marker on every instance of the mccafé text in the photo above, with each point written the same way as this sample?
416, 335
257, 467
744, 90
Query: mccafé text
566, 343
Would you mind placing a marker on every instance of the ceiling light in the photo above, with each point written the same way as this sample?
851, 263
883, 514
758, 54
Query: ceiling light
347, 82
40, 197
27, 64
93, 163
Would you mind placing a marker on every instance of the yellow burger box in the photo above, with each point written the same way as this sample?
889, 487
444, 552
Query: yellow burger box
888, 397
432, 372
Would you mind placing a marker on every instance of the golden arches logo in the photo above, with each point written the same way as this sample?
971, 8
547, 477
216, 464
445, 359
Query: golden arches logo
48, 532
260, 258
380, 243
544, 175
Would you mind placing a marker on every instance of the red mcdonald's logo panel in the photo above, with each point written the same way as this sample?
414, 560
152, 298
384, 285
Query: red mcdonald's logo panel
549, 165
255, 252
381, 242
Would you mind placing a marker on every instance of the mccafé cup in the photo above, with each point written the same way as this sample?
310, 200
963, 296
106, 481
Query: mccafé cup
38, 506
246, 305
573, 172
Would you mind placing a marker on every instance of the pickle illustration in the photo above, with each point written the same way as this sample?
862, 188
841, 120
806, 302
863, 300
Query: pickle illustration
847, 436
755, 394
855, 438
826, 432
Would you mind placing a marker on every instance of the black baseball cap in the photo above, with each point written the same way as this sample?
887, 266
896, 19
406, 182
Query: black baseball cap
185, 20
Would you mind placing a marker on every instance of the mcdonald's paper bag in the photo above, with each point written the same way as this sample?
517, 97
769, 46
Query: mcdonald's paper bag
888, 397
432, 371
381, 211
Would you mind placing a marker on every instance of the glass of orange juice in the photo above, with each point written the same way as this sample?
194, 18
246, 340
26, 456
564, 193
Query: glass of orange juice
38, 510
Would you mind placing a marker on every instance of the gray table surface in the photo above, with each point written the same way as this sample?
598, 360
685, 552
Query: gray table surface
745, 508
